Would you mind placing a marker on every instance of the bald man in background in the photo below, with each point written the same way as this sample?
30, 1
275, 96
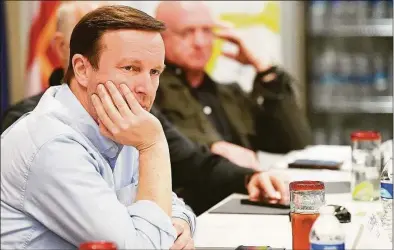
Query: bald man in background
202, 179
222, 117
68, 16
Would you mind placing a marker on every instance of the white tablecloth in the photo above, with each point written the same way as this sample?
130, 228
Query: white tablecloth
232, 230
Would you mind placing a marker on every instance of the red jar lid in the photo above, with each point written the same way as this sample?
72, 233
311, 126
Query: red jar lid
97, 245
306, 185
365, 135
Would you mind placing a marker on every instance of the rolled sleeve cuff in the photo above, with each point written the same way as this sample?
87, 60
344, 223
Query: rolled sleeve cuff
152, 213
185, 214
182, 211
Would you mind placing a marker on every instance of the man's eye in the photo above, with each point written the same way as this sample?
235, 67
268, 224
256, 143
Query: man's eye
130, 68
155, 72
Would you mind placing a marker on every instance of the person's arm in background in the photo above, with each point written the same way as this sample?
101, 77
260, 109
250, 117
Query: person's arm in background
13, 113
16, 111
199, 171
281, 124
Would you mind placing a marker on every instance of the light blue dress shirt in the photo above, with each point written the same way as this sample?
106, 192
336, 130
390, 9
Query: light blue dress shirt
60, 186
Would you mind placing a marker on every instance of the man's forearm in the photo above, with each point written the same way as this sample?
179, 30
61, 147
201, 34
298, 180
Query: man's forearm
155, 176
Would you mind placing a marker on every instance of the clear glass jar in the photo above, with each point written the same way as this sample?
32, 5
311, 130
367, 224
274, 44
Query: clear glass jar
306, 198
366, 165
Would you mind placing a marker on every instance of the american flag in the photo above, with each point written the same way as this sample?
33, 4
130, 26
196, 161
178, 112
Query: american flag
41, 57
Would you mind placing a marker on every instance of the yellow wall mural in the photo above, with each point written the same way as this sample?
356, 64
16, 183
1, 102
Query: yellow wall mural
268, 17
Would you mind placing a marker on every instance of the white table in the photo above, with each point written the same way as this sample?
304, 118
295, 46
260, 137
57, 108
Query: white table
232, 230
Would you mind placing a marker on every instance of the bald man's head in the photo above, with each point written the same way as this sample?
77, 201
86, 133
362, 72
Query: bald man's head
189, 37
68, 15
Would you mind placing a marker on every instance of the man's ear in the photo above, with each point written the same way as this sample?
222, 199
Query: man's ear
59, 44
81, 68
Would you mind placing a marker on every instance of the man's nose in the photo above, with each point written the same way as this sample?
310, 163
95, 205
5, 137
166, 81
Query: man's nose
200, 38
143, 84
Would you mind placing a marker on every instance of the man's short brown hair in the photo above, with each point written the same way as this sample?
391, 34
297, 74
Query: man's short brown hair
85, 38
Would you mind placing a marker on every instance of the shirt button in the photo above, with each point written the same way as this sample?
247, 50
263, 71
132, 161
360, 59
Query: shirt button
260, 100
207, 110
113, 150
178, 71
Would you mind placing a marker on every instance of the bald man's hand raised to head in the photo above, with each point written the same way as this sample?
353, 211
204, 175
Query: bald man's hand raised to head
244, 54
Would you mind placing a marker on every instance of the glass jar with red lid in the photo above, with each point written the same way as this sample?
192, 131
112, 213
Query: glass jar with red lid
366, 165
306, 198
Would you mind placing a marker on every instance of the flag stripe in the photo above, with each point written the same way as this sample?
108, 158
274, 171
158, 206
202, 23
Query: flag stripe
42, 58
39, 22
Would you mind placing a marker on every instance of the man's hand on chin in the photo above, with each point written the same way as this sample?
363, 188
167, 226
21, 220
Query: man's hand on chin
184, 237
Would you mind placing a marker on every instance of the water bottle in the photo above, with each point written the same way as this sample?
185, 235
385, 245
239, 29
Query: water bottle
386, 196
338, 10
380, 77
362, 73
390, 74
326, 232
327, 75
379, 9
344, 87
318, 14
390, 9
361, 9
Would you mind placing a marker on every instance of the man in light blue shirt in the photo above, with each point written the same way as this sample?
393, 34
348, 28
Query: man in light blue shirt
59, 183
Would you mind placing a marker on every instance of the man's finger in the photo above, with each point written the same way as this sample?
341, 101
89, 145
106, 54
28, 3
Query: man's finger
190, 245
266, 185
179, 229
254, 192
117, 97
134, 105
181, 242
229, 55
104, 131
228, 35
281, 188
108, 104
102, 115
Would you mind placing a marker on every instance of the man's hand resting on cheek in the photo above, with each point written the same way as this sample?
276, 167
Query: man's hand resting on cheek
122, 119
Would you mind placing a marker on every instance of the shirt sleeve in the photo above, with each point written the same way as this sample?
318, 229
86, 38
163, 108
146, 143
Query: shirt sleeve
66, 193
130, 155
180, 210
282, 124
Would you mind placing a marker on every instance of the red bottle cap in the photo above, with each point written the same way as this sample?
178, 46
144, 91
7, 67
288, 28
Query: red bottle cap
306, 185
97, 245
365, 135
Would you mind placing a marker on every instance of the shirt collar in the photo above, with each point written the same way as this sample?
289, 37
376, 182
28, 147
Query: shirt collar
82, 121
207, 84
178, 71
